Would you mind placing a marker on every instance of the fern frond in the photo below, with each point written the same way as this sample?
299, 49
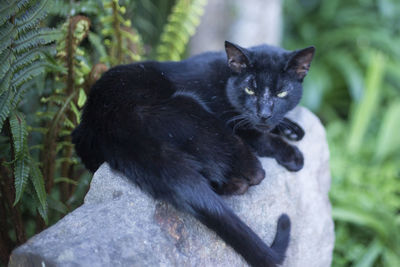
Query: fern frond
55, 98
6, 59
96, 41
8, 9
20, 93
28, 73
123, 42
35, 38
5, 81
76, 112
60, 8
69, 124
19, 134
42, 209
36, 178
31, 17
21, 172
8, 33
28, 57
182, 23
6, 104
9, 100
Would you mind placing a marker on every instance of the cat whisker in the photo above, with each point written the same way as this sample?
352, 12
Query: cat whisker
229, 111
235, 118
241, 124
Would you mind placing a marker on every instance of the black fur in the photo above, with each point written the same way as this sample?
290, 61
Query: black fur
167, 127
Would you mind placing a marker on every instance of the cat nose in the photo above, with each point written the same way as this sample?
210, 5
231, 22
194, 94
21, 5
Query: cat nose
265, 114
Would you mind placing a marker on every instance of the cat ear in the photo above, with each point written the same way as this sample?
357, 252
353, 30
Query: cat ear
237, 58
300, 61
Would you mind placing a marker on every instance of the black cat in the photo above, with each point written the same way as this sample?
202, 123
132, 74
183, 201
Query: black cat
252, 93
166, 126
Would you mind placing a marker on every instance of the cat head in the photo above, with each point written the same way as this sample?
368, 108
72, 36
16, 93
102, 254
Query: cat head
266, 82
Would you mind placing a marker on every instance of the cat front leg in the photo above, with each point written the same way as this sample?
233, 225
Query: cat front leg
246, 170
272, 145
289, 129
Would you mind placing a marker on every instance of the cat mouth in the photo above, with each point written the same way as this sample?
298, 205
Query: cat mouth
263, 127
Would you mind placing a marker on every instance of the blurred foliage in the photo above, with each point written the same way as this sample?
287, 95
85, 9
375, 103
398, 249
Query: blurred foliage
354, 86
51, 53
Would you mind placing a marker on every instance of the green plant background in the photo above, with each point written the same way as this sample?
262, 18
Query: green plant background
51, 51
354, 87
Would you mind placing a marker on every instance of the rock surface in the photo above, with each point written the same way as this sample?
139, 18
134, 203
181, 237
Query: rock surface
118, 225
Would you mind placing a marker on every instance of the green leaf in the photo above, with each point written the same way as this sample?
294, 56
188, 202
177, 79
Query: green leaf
31, 17
391, 258
43, 211
96, 41
365, 110
388, 140
28, 57
57, 205
371, 254
76, 113
19, 133
182, 22
5, 82
65, 180
8, 33
28, 73
21, 172
38, 183
359, 217
35, 38
82, 98
6, 101
10, 8
6, 59
21, 166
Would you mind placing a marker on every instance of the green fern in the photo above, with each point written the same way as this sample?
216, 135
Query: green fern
182, 23
36, 178
62, 102
20, 33
124, 43
21, 159
24, 51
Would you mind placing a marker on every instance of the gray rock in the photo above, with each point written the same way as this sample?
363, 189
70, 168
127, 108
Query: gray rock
118, 225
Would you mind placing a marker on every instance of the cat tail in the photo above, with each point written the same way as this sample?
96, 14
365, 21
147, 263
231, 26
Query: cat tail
176, 178
218, 217
87, 147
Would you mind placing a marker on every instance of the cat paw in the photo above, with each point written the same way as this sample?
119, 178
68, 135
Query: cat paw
257, 177
292, 160
235, 186
293, 135
290, 130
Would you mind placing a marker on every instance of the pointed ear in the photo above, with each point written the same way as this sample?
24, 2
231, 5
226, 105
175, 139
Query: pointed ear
300, 61
237, 59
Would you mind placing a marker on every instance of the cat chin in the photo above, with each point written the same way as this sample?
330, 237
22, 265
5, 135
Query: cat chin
263, 128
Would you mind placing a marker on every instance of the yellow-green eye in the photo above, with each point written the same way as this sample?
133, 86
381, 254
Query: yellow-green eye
282, 94
249, 91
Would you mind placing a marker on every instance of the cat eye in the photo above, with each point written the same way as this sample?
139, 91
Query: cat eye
282, 94
249, 91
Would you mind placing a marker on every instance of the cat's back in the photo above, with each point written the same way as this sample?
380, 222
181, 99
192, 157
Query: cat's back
140, 81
